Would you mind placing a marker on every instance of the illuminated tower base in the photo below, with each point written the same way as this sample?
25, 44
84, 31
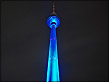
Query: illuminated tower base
53, 69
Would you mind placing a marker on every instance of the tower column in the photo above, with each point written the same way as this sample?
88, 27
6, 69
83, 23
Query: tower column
53, 69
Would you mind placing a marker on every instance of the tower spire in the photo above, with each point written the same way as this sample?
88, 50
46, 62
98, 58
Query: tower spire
53, 7
53, 12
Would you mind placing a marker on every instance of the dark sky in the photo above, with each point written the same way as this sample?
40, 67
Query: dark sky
81, 36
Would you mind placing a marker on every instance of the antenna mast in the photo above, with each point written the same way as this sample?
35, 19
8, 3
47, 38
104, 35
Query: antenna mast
53, 8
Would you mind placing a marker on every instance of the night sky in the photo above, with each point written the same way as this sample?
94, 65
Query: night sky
81, 37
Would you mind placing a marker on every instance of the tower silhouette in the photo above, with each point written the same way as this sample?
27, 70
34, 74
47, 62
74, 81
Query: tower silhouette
53, 68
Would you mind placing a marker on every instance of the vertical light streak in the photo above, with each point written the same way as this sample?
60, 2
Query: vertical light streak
53, 68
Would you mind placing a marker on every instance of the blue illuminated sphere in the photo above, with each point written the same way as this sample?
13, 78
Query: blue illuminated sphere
53, 20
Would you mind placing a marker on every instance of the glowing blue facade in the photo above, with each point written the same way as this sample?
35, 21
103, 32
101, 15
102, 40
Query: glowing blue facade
53, 68
53, 20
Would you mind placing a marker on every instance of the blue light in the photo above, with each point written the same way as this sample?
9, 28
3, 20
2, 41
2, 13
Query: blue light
53, 20
53, 68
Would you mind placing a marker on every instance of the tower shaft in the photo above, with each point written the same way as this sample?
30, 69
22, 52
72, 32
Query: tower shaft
53, 69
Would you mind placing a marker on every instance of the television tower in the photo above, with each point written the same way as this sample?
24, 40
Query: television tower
53, 69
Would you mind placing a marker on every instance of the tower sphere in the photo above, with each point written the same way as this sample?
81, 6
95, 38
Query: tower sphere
53, 20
